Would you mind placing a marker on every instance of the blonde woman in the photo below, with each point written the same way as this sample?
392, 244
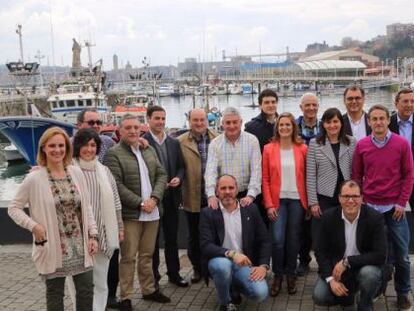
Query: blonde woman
61, 220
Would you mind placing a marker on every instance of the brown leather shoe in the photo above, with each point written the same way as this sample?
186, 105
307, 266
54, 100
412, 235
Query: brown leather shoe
291, 284
276, 286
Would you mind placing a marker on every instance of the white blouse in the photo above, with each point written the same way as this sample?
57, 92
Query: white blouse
288, 189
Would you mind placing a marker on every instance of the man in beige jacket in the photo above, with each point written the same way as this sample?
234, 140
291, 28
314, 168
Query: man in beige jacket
194, 146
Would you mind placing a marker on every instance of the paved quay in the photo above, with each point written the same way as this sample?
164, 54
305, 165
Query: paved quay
22, 289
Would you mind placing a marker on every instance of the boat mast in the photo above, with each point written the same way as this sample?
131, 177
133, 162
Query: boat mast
39, 57
88, 46
52, 41
19, 32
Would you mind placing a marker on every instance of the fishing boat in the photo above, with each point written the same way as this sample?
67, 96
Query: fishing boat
25, 131
135, 104
12, 154
71, 99
83, 89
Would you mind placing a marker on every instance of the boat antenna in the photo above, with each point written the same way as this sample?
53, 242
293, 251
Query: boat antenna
52, 40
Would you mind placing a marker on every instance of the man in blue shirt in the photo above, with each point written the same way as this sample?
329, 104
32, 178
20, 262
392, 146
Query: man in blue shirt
402, 122
309, 127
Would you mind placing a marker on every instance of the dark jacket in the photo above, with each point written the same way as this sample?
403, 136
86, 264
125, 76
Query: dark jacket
370, 239
261, 128
396, 129
124, 166
175, 165
347, 125
255, 239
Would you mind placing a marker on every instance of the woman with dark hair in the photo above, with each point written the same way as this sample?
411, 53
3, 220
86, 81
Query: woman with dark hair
106, 207
61, 221
328, 164
284, 198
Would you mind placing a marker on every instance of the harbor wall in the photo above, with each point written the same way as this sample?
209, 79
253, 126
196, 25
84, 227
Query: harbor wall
18, 107
10, 233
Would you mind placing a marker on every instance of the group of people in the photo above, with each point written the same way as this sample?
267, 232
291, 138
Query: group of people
284, 185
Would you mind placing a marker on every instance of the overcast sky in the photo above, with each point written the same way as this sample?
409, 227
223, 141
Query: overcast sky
169, 31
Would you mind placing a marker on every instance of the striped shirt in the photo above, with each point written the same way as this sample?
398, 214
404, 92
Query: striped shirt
241, 159
95, 195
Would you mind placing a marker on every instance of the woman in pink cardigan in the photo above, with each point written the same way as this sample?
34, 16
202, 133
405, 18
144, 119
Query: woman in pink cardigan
284, 197
61, 221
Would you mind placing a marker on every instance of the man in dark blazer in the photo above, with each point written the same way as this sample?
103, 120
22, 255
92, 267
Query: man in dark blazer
402, 123
235, 247
355, 118
352, 251
169, 154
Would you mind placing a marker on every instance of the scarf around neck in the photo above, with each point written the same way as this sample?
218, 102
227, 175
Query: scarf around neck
107, 201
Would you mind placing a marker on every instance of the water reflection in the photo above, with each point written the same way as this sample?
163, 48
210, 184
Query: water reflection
176, 107
10, 177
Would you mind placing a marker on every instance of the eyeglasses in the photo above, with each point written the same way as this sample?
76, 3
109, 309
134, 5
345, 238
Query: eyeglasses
350, 197
356, 98
93, 122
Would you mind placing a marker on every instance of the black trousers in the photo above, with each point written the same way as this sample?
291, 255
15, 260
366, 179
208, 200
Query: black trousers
306, 242
113, 274
193, 247
325, 203
263, 212
411, 201
55, 292
169, 224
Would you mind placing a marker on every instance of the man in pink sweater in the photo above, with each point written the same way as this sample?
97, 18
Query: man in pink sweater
383, 165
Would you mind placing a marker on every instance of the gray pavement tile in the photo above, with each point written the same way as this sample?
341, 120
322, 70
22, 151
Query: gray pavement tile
22, 289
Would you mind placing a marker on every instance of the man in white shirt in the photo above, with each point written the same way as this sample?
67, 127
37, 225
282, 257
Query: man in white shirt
355, 118
141, 182
236, 153
169, 154
235, 247
352, 247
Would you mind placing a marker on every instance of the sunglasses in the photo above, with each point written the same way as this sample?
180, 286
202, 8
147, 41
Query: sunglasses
93, 122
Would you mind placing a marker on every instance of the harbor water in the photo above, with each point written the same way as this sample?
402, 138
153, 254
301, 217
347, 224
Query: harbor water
12, 175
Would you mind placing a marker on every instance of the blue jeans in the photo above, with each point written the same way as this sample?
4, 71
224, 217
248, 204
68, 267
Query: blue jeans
398, 242
367, 280
286, 237
227, 275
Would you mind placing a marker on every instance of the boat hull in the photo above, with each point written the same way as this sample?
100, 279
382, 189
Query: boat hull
11, 154
25, 131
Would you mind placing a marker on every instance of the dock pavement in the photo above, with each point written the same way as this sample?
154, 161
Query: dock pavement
22, 289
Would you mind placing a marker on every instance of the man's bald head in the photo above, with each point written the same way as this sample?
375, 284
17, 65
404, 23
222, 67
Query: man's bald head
197, 119
309, 104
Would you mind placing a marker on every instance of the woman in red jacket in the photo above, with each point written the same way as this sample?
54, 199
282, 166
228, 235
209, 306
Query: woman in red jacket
284, 197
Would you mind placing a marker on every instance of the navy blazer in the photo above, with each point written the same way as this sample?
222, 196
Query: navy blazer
347, 125
175, 167
370, 239
255, 238
396, 129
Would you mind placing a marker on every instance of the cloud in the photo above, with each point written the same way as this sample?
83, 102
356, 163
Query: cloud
168, 30
356, 28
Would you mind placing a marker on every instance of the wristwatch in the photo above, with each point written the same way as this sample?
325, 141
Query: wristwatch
230, 254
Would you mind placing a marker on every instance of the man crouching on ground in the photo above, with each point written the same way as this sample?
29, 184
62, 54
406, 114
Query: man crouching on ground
235, 247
